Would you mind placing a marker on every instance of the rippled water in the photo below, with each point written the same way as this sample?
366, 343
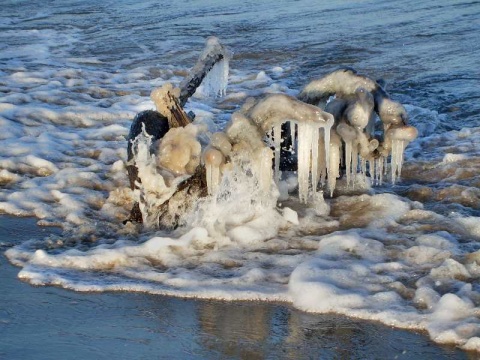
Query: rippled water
428, 51
74, 74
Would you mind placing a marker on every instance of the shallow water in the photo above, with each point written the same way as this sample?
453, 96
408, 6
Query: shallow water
70, 325
73, 75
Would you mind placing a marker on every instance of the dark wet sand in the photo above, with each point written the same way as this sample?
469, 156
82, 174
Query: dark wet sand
52, 323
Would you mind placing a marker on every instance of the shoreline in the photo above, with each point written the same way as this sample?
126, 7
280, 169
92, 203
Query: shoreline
39, 322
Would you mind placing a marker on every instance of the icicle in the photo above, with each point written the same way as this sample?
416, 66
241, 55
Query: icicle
363, 168
292, 134
400, 138
277, 142
371, 169
348, 161
307, 141
334, 160
322, 166
308, 135
354, 161
314, 153
326, 135
213, 175
374, 169
303, 161
349, 137
398, 147
216, 81
264, 168
378, 165
213, 159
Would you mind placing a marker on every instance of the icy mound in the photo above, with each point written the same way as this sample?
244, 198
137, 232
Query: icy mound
357, 100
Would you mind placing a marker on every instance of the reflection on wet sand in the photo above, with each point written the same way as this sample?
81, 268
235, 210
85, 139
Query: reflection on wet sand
134, 325
250, 330
244, 329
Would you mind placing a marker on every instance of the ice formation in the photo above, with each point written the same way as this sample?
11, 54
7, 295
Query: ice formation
243, 141
397, 139
213, 160
320, 136
216, 81
323, 141
154, 188
342, 82
334, 160
319, 149
274, 110
356, 100
175, 158
240, 143
211, 70
179, 150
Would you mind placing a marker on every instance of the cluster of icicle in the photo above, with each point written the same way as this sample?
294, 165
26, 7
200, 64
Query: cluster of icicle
342, 133
244, 138
355, 102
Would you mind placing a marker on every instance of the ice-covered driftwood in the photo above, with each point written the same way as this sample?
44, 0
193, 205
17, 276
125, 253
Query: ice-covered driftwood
212, 69
170, 171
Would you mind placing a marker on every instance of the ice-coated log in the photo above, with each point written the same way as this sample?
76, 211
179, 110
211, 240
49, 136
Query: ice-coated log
342, 82
278, 108
359, 111
166, 102
156, 124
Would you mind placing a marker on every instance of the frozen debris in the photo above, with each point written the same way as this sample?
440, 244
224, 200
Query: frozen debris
356, 101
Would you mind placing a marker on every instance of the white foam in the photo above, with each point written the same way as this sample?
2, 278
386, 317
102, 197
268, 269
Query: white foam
290, 215
449, 158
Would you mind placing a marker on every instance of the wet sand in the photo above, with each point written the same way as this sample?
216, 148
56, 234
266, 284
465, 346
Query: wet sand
53, 323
